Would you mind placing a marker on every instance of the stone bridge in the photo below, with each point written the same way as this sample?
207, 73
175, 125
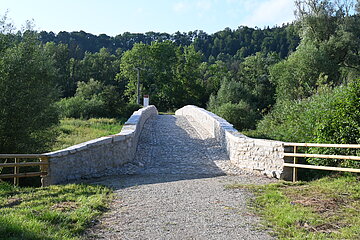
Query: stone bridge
169, 174
193, 141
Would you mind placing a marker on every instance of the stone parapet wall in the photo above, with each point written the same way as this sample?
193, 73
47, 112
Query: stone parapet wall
256, 155
98, 157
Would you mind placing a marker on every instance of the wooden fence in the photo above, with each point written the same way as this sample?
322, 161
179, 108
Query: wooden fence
295, 155
16, 163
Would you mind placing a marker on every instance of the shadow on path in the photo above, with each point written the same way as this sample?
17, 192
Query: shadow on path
170, 149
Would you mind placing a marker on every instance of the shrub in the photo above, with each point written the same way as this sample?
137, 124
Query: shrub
78, 107
330, 116
240, 115
92, 99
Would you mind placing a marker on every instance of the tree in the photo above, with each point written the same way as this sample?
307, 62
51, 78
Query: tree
168, 73
328, 51
255, 77
60, 54
187, 73
230, 103
246, 93
27, 97
101, 65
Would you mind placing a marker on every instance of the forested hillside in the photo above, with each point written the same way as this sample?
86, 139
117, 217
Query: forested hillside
297, 82
242, 42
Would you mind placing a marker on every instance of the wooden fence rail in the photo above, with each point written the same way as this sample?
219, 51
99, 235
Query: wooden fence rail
295, 165
16, 164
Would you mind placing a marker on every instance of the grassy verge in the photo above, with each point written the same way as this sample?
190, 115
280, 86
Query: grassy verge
75, 131
328, 208
167, 113
56, 212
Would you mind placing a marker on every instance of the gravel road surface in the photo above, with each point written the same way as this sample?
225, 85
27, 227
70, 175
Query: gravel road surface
175, 189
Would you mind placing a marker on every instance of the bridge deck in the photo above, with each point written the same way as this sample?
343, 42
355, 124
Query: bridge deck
175, 189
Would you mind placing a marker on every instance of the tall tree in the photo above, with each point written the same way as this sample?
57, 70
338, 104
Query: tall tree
27, 96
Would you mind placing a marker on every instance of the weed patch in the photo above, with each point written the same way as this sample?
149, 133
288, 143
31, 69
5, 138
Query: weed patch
328, 208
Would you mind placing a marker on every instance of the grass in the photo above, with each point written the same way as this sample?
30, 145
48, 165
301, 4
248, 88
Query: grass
328, 208
167, 113
75, 131
55, 212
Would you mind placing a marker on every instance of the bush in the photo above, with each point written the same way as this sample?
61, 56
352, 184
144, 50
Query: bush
78, 107
129, 109
330, 116
341, 124
240, 115
92, 99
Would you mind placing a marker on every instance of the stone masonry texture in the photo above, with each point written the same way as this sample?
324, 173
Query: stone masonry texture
98, 157
255, 155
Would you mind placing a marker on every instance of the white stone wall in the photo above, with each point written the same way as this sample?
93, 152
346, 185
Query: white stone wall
256, 155
98, 157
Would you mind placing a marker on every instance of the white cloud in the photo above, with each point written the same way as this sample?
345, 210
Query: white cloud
140, 10
180, 7
271, 12
204, 5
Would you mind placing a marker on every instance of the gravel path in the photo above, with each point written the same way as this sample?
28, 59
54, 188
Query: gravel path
175, 189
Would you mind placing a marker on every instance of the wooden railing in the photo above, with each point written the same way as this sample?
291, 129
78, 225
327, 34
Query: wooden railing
295, 155
17, 164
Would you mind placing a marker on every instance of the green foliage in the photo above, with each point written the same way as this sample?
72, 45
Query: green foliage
303, 72
78, 107
101, 65
244, 40
56, 212
340, 125
329, 46
240, 114
213, 75
61, 57
249, 94
254, 75
316, 98
169, 74
330, 116
92, 99
27, 96
327, 208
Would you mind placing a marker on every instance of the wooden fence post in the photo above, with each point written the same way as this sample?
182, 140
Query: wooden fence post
295, 170
16, 171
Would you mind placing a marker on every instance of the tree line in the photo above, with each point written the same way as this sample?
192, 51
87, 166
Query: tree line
243, 42
297, 82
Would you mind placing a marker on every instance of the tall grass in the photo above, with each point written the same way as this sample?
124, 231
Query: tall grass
75, 131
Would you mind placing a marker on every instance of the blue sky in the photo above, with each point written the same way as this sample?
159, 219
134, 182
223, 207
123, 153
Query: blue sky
139, 16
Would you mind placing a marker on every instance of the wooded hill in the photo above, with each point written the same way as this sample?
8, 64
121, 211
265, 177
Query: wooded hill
297, 82
242, 42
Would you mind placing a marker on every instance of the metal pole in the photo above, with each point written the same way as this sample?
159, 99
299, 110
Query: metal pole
138, 85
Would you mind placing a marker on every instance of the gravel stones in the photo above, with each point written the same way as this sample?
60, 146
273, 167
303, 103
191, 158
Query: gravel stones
174, 189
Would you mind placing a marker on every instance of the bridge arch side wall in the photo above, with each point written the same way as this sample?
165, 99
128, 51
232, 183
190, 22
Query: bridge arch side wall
98, 157
255, 155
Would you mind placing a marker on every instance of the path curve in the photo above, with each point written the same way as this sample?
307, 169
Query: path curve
174, 189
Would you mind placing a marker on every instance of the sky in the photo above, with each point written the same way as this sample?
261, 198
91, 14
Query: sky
113, 17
